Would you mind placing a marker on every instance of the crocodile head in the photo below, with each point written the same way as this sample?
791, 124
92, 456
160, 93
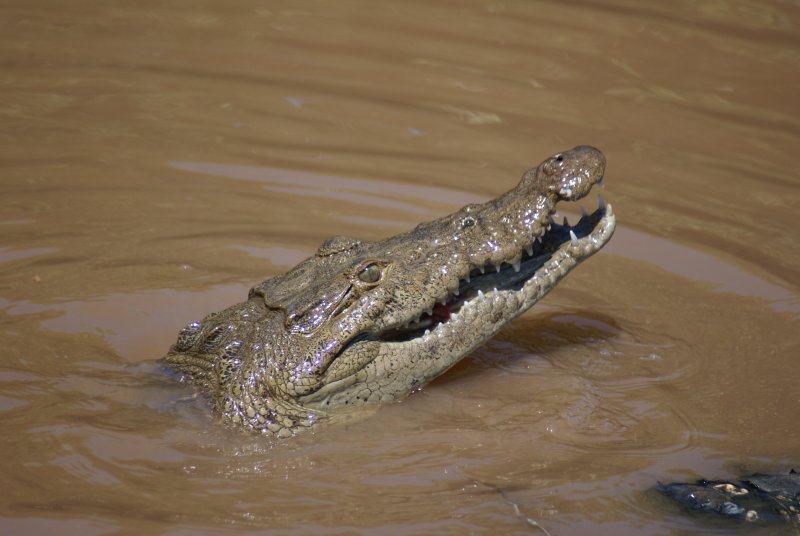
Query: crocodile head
364, 322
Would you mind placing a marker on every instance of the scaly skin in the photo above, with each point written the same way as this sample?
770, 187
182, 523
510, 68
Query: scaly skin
364, 322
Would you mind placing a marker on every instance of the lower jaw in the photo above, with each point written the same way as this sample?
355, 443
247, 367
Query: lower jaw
525, 284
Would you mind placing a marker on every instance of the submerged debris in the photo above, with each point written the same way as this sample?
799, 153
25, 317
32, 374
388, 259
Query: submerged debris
758, 497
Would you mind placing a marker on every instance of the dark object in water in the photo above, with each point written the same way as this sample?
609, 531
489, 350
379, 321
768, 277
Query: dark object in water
759, 497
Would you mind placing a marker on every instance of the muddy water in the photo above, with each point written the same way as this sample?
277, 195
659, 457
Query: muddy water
158, 159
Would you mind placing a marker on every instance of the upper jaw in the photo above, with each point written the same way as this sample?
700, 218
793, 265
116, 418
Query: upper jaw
516, 234
532, 251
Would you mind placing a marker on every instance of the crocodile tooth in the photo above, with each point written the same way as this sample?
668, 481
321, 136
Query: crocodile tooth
427, 332
482, 268
455, 291
481, 295
467, 277
539, 238
453, 316
583, 212
600, 201
609, 211
529, 250
572, 238
515, 262
497, 267
430, 311
551, 220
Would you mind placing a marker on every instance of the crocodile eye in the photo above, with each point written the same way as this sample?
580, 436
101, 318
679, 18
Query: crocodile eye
554, 165
371, 273
469, 221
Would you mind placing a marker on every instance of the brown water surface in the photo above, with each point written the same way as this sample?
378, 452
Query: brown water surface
159, 158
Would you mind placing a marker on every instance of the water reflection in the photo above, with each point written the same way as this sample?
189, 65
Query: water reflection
382, 192
700, 266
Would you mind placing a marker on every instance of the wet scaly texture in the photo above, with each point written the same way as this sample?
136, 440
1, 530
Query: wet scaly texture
365, 322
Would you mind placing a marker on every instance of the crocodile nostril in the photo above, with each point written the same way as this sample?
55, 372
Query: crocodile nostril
368, 321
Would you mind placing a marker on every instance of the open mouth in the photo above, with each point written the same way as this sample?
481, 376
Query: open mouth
363, 322
531, 265
477, 288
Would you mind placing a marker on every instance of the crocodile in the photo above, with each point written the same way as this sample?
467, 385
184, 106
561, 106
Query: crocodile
364, 322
